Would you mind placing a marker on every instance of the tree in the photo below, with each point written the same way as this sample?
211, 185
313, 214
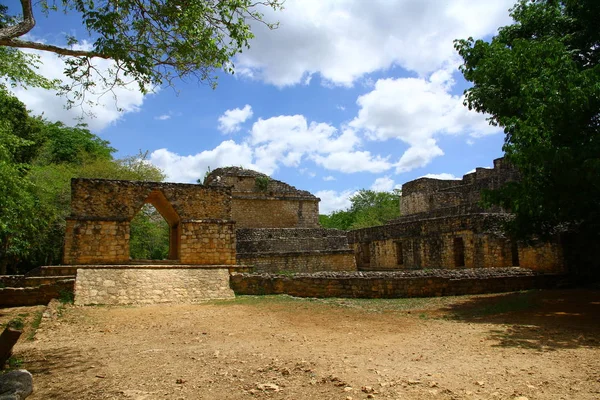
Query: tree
38, 158
368, 208
539, 79
150, 41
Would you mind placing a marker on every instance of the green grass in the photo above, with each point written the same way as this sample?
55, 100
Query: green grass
368, 305
16, 323
14, 363
66, 296
35, 324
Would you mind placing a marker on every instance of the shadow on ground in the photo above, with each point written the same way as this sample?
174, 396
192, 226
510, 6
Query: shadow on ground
541, 319
66, 362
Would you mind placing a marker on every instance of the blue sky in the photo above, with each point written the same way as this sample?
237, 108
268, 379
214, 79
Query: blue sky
344, 95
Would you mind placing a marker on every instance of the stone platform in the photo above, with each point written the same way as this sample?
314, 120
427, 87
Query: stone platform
152, 284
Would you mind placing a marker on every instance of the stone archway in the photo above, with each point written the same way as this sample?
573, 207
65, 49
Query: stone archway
199, 219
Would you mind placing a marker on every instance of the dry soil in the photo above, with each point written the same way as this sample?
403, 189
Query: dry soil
534, 345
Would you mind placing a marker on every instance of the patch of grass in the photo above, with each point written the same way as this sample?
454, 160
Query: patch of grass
14, 363
66, 296
35, 324
367, 305
16, 323
262, 183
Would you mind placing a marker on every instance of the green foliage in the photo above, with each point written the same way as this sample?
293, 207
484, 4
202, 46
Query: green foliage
539, 79
35, 324
262, 183
368, 208
16, 324
18, 67
38, 158
66, 296
150, 42
149, 235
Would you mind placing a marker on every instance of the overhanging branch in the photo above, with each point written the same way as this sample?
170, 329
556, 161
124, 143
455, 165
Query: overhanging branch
48, 47
22, 27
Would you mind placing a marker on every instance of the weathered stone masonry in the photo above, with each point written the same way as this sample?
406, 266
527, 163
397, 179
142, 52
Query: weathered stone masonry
151, 284
294, 250
97, 232
278, 225
276, 205
443, 226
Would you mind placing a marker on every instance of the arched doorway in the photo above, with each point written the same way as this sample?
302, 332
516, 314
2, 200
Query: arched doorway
158, 221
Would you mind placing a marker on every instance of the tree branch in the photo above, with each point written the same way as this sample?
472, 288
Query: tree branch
47, 47
22, 27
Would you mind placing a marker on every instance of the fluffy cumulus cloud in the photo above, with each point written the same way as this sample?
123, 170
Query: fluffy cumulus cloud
415, 111
232, 120
289, 139
383, 184
190, 168
332, 200
342, 40
106, 107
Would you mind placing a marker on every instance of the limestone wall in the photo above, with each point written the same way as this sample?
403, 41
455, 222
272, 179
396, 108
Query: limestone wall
300, 261
98, 229
30, 296
425, 194
208, 242
387, 285
151, 284
275, 205
294, 250
272, 212
464, 241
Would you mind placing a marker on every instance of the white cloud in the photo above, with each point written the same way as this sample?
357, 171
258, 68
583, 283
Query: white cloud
415, 111
383, 184
231, 120
334, 201
289, 139
190, 168
328, 178
353, 161
444, 176
342, 40
162, 117
106, 107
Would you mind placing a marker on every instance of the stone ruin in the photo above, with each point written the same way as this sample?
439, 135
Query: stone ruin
443, 225
277, 231
241, 221
277, 225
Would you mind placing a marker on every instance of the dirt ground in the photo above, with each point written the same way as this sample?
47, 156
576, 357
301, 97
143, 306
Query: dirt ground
534, 345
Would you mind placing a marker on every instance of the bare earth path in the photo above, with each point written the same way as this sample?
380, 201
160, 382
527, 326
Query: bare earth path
538, 345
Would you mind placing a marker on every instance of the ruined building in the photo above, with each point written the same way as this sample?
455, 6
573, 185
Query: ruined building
443, 226
239, 217
277, 225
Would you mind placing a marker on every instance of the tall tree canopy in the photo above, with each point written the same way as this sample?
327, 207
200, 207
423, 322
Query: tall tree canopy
150, 41
38, 158
368, 208
539, 79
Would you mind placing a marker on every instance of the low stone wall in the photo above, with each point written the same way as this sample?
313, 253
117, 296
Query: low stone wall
430, 283
31, 296
20, 281
292, 262
148, 284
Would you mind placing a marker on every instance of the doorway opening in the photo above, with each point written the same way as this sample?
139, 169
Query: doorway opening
459, 252
154, 231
